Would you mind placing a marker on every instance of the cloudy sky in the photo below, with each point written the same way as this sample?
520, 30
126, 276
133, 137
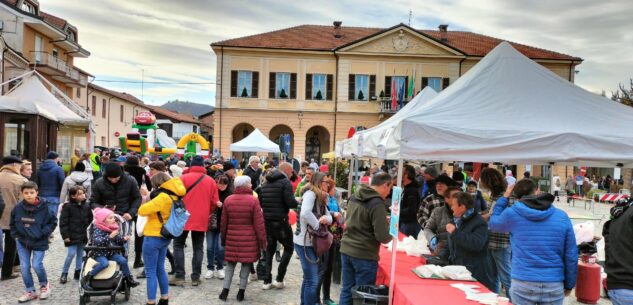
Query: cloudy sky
168, 40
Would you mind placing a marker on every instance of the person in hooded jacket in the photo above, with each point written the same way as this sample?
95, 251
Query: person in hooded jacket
215, 251
436, 225
78, 177
10, 183
133, 168
50, 179
74, 220
468, 240
117, 191
544, 252
410, 203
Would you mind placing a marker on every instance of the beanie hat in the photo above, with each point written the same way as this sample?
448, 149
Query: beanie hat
181, 164
445, 179
10, 160
241, 181
458, 176
112, 170
227, 166
52, 155
132, 161
197, 161
431, 171
100, 215
80, 167
121, 159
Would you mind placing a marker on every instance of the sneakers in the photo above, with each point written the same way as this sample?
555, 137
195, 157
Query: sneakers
195, 282
27, 296
329, 302
219, 274
209, 275
174, 281
253, 277
45, 291
278, 285
267, 286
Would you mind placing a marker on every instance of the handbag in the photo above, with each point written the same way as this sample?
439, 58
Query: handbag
141, 221
321, 238
213, 221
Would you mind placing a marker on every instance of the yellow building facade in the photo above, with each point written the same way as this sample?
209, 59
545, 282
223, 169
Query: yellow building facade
341, 62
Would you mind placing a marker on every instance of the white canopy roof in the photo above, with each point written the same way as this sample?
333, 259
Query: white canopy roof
510, 109
371, 137
255, 142
31, 97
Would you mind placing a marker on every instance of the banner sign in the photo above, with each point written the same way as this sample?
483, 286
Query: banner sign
395, 211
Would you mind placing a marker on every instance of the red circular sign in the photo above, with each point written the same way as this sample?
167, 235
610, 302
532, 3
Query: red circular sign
116, 134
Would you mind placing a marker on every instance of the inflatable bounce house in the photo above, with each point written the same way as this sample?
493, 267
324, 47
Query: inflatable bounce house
148, 138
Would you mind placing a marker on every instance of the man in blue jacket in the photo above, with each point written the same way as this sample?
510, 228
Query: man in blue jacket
50, 179
544, 252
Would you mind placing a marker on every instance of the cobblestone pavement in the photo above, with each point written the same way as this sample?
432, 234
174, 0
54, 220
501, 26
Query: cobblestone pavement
208, 291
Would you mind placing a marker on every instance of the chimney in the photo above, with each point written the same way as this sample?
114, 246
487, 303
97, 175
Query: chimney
443, 29
337, 29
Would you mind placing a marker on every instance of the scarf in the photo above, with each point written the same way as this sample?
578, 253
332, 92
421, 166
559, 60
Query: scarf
100, 215
620, 207
460, 220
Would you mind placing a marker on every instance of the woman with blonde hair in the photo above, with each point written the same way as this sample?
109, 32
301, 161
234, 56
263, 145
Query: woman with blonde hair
314, 213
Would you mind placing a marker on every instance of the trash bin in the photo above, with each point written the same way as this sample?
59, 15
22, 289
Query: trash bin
371, 295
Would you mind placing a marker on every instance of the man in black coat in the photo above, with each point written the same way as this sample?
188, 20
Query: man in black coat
618, 250
410, 203
276, 198
253, 170
117, 191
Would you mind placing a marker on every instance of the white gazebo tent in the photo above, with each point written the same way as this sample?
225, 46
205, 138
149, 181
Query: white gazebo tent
255, 142
371, 137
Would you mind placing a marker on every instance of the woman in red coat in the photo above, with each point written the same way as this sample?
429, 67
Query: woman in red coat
243, 234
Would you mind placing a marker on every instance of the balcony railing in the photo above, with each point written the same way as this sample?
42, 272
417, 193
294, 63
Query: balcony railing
48, 60
58, 68
385, 105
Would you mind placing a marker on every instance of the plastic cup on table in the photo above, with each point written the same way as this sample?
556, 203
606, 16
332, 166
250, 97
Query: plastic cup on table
503, 301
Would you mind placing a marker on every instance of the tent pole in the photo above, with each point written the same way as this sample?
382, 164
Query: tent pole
394, 242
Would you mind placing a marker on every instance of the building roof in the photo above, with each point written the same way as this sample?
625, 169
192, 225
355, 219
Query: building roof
55, 21
174, 116
121, 95
321, 38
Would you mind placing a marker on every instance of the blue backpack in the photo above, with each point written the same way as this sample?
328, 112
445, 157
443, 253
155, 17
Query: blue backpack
179, 215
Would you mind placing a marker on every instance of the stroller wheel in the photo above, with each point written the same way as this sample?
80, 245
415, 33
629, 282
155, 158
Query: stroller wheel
113, 299
83, 299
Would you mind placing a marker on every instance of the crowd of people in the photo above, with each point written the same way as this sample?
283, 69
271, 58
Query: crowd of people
513, 240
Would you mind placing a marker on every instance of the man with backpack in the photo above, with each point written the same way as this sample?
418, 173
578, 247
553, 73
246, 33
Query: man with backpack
200, 200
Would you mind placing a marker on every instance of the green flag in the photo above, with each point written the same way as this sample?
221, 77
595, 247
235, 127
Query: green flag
411, 90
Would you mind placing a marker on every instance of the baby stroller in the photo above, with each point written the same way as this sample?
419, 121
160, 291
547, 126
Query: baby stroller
109, 281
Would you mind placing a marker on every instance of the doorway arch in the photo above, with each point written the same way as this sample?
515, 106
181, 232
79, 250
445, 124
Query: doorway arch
317, 143
241, 131
275, 135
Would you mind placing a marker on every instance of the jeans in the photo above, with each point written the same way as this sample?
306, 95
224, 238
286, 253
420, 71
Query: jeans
197, 239
74, 250
310, 275
278, 231
10, 257
215, 251
410, 228
28, 259
537, 293
245, 270
326, 262
356, 272
621, 296
155, 251
53, 205
1, 249
502, 259
138, 244
103, 263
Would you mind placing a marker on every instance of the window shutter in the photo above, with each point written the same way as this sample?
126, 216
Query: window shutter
387, 86
255, 84
308, 86
445, 82
233, 83
351, 87
406, 87
293, 85
330, 86
425, 82
372, 87
271, 84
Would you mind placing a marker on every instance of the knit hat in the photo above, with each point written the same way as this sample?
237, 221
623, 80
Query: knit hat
431, 171
100, 215
10, 160
52, 155
112, 170
197, 161
445, 179
241, 181
227, 166
181, 164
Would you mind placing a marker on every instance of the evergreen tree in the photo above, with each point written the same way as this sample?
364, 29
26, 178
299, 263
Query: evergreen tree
361, 96
283, 94
319, 96
382, 93
244, 92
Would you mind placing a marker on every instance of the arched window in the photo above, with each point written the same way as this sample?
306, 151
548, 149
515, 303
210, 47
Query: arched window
313, 147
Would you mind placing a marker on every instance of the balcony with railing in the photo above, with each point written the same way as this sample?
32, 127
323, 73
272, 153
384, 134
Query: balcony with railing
386, 106
58, 69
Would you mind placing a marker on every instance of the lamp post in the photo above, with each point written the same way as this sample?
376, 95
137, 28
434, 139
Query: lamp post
300, 116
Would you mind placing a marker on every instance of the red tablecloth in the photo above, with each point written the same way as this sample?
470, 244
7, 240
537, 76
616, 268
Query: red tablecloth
411, 289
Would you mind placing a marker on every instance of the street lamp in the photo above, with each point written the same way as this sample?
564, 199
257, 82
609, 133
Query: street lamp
300, 116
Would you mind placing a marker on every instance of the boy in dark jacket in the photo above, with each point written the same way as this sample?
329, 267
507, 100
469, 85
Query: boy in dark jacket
75, 218
32, 224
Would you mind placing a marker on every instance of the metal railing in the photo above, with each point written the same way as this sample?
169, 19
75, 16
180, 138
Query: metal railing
41, 58
385, 105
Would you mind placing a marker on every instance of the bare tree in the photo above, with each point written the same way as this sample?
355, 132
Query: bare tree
624, 95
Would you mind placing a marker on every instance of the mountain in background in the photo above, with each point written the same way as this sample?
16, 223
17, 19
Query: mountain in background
190, 108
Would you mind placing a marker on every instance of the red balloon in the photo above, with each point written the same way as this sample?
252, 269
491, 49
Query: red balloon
292, 217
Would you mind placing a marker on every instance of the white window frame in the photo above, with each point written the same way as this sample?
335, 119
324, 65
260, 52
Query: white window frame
282, 81
244, 80
361, 82
319, 83
39, 47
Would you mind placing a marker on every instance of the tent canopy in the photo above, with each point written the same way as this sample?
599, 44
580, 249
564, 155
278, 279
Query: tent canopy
510, 109
256, 142
31, 97
370, 137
